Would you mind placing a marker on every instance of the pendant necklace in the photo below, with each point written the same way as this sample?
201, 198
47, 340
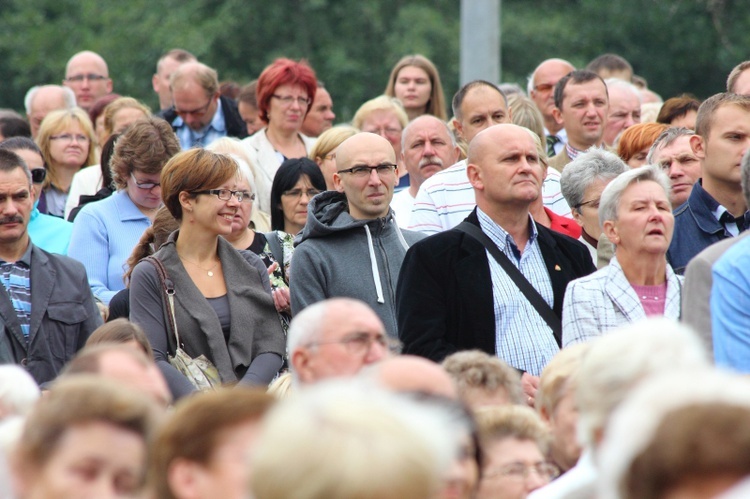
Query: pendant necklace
208, 272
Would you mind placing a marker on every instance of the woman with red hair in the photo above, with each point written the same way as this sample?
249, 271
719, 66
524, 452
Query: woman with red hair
636, 141
284, 92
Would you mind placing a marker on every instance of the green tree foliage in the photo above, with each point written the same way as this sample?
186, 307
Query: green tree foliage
677, 45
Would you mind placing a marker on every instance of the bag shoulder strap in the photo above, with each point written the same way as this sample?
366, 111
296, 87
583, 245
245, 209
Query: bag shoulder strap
531, 294
167, 287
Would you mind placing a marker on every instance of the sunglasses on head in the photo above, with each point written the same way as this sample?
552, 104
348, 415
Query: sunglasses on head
38, 175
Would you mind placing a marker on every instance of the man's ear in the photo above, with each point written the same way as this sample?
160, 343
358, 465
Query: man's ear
474, 174
698, 145
459, 129
300, 362
337, 182
557, 115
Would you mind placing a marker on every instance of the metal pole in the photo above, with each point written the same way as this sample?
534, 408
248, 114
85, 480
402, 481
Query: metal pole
480, 40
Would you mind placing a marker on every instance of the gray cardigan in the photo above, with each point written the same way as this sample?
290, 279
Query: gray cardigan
255, 328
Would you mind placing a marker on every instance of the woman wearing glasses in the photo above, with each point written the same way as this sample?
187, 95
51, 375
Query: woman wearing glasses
222, 303
105, 232
285, 91
66, 139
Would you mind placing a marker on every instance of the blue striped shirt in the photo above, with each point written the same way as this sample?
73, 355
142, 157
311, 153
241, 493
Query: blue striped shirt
16, 279
522, 337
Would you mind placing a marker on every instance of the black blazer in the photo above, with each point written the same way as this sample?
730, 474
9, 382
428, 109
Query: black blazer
444, 296
232, 120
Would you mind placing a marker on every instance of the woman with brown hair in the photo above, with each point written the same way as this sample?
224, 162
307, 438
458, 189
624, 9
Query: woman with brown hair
415, 81
222, 305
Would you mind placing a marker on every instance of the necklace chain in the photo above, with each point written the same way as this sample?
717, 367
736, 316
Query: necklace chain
208, 271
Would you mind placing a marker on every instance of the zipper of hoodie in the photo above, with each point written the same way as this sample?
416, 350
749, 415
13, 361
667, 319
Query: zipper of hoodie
387, 268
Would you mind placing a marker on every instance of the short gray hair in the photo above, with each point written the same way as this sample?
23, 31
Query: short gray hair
306, 326
68, 96
411, 124
613, 192
618, 83
666, 138
590, 166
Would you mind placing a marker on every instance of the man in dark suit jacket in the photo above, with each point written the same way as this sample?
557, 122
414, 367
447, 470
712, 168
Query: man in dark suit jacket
47, 311
199, 114
451, 296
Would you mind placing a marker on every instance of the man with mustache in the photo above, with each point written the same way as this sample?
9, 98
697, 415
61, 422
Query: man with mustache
351, 246
427, 147
47, 311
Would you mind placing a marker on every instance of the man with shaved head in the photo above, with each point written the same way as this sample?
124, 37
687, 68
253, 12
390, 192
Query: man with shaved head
41, 100
541, 89
452, 295
427, 146
88, 76
350, 245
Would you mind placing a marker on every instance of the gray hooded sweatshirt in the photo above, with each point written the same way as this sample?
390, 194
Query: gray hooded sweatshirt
338, 255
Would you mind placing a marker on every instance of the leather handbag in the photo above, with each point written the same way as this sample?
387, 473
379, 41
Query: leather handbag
200, 371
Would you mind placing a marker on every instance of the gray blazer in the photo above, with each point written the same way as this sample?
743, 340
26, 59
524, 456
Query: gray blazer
696, 306
605, 300
255, 327
63, 316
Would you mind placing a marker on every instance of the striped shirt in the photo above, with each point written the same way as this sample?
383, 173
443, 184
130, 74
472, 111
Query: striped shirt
446, 199
16, 279
522, 337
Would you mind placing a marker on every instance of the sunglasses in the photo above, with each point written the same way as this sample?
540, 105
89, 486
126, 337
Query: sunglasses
38, 175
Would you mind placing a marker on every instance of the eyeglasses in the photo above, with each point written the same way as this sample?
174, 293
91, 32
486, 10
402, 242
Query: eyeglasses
385, 131
297, 193
544, 87
364, 171
89, 77
146, 186
226, 194
195, 112
360, 343
521, 471
288, 100
38, 175
593, 202
69, 137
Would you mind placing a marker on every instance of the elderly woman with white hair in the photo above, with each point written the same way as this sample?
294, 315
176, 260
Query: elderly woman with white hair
636, 216
582, 183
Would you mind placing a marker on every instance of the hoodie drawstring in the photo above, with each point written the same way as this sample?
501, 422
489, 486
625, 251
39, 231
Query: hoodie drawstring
374, 264
400, 235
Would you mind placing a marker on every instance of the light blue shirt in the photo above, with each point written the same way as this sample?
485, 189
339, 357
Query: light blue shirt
522, 337
104, 235
730, 308
190, 138
49, 233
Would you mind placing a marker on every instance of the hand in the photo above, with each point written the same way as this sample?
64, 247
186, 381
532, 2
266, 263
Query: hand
272, 268
530, 385
281, 299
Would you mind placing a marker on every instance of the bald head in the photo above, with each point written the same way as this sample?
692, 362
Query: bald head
359, 143
88, 76
505, 169
542, 88
40, 101
411, 374
195, 72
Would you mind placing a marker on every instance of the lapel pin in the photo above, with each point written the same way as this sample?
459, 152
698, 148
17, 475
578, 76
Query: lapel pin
557, 267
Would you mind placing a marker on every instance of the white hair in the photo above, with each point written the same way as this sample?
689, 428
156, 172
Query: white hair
635, 422
626, 85
619, 360
18, 391
68, 96
343, 439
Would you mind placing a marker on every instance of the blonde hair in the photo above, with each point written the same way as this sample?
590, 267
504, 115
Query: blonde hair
524, 113
330, 140
560, 377
54, 123
511, 421
380, 103
117, 105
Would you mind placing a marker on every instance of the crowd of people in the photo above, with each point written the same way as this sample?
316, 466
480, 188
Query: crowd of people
536, 292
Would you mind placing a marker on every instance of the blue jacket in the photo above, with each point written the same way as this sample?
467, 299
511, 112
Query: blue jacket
695, 228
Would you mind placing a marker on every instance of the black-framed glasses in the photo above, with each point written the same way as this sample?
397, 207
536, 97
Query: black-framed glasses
195, 112
360, 343
38, 175
297, 193
226, 194
363, 171
146, 186
288, 100
87, 76
521, 471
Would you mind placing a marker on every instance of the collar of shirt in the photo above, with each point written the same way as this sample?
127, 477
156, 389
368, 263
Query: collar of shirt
25, 258
186, 134
572, 151
500, 236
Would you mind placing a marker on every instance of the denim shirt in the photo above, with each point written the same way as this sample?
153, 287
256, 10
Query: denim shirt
695, 228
